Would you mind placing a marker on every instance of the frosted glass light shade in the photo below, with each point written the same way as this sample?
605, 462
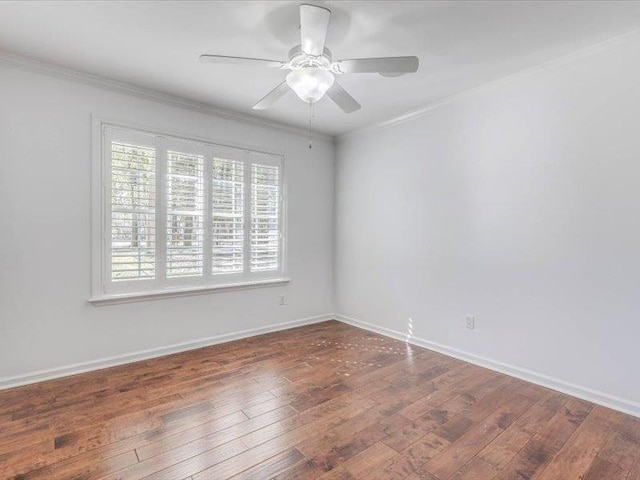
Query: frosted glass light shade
310, 84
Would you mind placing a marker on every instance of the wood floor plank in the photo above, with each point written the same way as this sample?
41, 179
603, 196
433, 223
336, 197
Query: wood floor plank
369, 459
84, 466
476, 469
396, 468
501, 451
325, 401
602, 469
421, 426
325, 417
504, 447
564, 423
576, 455
272, 466
621, 450
451, 459
411, 458
229, 427
303, 470
337, 474
421, 474
634, 472
529, 462
346, 441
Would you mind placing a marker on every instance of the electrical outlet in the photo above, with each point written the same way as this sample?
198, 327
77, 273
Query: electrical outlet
471, 321
283, 300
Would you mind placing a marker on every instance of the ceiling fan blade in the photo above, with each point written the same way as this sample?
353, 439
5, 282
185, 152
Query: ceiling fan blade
383, 65
346, 102
271, 97
314, 22
259, 62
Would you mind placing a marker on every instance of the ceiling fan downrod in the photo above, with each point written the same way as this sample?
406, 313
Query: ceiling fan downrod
310, 118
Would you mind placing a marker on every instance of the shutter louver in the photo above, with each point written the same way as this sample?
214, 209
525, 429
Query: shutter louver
185, 200
132, 212
265, 217
227, 215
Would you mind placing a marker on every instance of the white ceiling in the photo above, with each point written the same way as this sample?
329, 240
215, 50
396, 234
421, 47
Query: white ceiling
460, 45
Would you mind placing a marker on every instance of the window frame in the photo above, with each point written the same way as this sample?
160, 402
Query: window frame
103, 290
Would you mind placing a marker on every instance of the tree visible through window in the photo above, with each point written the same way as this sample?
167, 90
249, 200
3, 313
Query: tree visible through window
227, 206
185, 204
132, 211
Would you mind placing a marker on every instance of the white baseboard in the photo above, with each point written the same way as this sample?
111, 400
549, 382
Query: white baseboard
52, 373
600, 398
594, 396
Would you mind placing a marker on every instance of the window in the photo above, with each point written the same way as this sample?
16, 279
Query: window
177, 215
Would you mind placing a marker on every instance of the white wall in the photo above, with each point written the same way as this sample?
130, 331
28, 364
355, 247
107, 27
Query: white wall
45, 147
519, 204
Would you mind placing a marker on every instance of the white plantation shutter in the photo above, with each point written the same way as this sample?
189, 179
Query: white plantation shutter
265, 217
184, 209
227, 211
177, 213
132, 203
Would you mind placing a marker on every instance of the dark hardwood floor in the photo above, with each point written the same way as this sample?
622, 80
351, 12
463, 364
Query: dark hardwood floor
325, 401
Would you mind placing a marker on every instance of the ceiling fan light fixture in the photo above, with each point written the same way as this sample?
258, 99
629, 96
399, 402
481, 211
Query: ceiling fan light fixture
310, 83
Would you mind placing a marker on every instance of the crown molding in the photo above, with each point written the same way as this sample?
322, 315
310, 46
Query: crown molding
492, 85
35, 66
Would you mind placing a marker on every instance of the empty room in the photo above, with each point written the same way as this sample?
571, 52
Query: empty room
332, 240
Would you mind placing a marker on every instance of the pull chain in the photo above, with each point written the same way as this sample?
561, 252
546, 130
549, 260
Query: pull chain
310, 117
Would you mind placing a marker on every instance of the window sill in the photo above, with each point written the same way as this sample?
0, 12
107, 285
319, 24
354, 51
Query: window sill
182, 292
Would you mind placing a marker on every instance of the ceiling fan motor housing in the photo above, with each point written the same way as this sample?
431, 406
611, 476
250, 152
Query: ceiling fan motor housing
299, 59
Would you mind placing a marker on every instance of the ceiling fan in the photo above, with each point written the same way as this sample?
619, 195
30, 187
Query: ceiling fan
312, 70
